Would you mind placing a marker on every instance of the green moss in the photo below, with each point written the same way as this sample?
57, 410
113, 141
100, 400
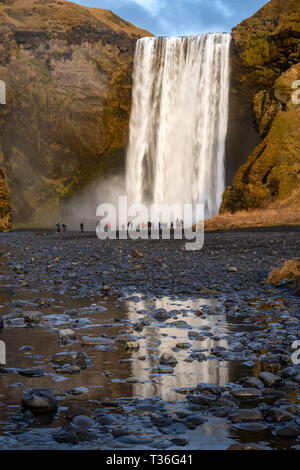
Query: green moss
257, 52
41, 69
257, 195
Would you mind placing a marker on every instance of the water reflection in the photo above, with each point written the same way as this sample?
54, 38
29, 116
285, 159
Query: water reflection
117, 373
162, 337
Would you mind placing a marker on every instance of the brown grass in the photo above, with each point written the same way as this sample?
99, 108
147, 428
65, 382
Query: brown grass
290, 271
254, 218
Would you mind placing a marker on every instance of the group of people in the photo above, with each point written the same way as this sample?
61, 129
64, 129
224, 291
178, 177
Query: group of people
64, 227
59, 226
161, 226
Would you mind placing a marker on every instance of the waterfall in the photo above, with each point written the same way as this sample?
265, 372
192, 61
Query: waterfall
178, 122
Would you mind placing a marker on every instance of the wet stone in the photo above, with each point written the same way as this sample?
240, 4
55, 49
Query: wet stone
96, 341
71, 359
126, 338
73, 411
67, 435
162, 315
271, 392
32, 318
83, 421
209, 388
247, 415
202, 399
35, 372
26, 348
269, 379
66, 335
288, 431
164, 369
179, 442
68, 370
197, 356
290, 385
39, 400
183, 345
189, 359
195, 335
132, 346
246, 393
253, 382
291, 371
168, 360
195, 418
278, 415
78, 391
232, 269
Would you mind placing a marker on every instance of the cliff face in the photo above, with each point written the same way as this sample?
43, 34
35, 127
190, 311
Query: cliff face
265, 64
5, 207
68, 73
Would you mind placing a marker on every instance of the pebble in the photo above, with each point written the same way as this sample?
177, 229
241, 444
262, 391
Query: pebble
232, 269
167, 359
261, 325
32, 318
269, 379
246, 393
247, 415
288, 431
83, 421
39, 399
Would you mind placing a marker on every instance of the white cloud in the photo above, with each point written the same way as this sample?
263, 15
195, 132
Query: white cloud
223, 9
151, 6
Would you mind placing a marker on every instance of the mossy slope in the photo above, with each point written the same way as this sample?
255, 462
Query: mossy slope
265, 64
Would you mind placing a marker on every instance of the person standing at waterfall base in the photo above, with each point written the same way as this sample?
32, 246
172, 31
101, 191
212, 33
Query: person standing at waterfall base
57, 227
81, 227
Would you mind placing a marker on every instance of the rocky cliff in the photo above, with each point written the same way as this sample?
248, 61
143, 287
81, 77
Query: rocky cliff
265, 64
5, 207
68, 74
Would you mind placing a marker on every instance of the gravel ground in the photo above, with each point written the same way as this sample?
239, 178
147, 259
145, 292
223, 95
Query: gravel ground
142, 344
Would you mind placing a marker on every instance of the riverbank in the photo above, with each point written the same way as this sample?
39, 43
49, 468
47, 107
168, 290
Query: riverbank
142, 344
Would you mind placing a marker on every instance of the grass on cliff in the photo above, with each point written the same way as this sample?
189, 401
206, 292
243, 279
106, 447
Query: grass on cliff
290, 271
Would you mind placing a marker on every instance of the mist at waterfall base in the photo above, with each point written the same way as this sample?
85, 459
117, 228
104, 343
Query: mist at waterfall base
177, 130
83, 207
178, 122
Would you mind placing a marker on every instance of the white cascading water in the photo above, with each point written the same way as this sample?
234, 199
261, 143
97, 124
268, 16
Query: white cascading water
178, 122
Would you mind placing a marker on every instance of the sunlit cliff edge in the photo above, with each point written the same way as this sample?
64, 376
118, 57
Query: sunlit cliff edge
68, 73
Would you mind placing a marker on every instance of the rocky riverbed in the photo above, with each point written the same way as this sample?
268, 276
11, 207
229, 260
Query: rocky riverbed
141, 344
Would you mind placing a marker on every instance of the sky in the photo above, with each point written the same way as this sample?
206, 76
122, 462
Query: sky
180, 17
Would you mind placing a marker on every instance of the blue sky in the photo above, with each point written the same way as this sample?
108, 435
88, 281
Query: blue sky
180, 17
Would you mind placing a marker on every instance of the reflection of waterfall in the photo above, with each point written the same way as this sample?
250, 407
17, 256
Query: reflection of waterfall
178, 122
159, 338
